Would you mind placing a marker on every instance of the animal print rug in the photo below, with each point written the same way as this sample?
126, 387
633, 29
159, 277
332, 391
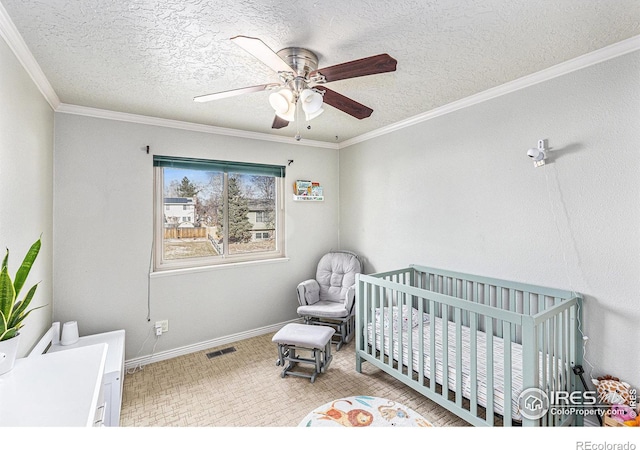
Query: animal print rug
363, 411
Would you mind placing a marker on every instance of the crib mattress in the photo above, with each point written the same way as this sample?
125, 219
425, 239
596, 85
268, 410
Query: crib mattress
498, 361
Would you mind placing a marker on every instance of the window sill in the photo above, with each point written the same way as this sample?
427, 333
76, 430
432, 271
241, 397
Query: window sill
210, 268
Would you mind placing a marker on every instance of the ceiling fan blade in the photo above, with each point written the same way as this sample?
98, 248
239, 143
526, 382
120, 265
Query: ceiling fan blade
262, 51
233, 92
279, 122
358, 68
345, 104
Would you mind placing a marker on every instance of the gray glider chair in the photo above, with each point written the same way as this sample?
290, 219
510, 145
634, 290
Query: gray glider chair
329, 299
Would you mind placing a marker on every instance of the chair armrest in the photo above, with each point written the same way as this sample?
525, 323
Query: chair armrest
350, 299
308, 292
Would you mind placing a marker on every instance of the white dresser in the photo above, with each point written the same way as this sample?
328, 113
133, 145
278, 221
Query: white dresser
62, 389
113, 370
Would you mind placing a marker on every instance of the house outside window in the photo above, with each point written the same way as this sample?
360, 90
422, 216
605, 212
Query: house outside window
234, 212
175, 207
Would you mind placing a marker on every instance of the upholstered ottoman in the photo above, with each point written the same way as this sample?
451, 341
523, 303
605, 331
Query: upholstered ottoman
312, 338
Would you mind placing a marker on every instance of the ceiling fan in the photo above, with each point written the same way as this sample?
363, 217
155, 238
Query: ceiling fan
301, 82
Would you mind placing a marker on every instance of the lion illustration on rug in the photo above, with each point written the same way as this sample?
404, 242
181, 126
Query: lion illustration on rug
352, 418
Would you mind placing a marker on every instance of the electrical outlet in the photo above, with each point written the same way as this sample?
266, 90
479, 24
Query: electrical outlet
163, 325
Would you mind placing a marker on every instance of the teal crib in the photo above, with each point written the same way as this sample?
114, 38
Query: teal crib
472, 344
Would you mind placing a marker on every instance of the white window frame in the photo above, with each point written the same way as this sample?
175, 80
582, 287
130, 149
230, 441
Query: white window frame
160, 264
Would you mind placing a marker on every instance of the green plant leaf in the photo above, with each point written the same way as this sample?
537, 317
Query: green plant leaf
3, 325
7, 293
5, 261
25, 267
20, 307
13, 312
14, 329
6, 333
11, 332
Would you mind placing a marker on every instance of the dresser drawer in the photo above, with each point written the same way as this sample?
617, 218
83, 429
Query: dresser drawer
113, 379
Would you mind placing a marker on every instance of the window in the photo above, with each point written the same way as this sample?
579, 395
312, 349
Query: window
235, 212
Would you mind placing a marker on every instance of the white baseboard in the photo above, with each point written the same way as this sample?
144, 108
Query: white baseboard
173, 353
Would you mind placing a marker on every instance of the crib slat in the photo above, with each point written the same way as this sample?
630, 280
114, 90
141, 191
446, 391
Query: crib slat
377, 300
432, 346
474, 363
557, 368
372, 314
489, 366
554, 354
530, 374
576, 348
552, 360
500, 305
458, 322
445, 351
365, 288
421, 348
565, 350
545, 351
360, 320
392, 327
506, 367
487, 295
465, 314
409, 337
395, 299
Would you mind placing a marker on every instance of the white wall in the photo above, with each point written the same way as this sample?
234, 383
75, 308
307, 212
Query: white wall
26, 186
459, 192
103, 235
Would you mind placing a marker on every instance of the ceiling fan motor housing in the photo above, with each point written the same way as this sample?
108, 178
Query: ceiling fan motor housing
301, 60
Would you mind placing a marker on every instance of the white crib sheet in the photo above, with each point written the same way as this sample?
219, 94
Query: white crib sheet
498, 362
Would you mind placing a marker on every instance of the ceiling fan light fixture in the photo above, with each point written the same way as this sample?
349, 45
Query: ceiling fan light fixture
311, 101
282, 103
289, 116
313, 115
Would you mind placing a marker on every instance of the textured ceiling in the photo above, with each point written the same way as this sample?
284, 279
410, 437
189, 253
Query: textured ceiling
151, 57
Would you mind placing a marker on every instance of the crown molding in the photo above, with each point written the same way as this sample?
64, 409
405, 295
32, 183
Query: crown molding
581, 62
188, 126
14, 40
16, 43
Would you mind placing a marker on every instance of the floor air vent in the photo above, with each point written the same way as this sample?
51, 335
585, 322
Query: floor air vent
224, 351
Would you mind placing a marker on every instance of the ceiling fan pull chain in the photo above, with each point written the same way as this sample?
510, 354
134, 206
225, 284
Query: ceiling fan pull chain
298, 137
